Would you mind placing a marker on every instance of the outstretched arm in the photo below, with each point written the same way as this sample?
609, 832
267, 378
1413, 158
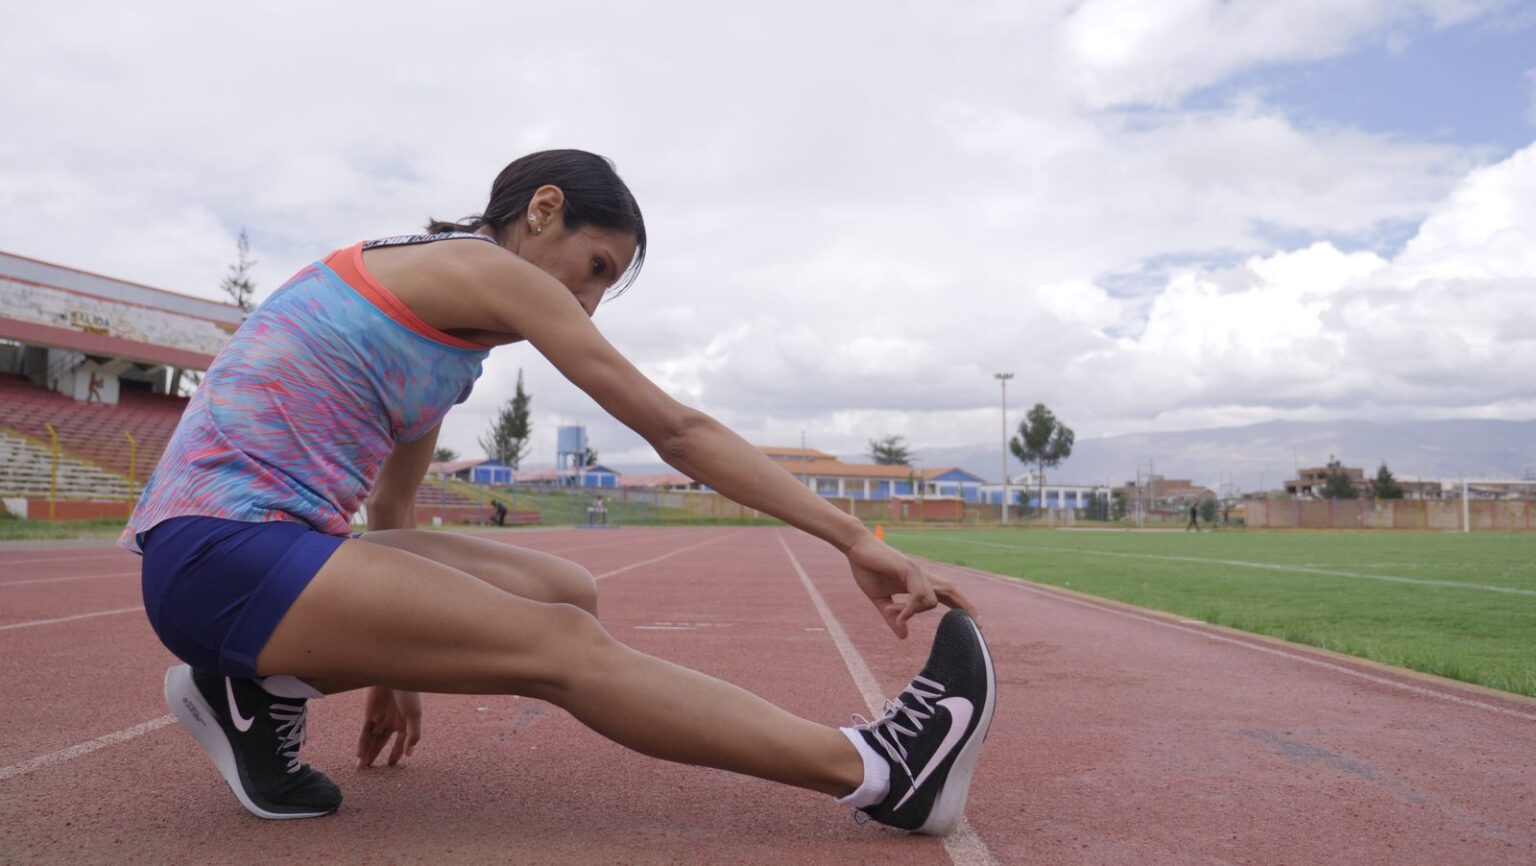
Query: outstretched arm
519, 298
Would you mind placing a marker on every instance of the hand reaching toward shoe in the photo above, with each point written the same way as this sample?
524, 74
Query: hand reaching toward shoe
884, 574
389, 713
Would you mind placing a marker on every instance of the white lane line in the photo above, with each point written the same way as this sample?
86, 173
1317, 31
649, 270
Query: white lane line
1267, 566
67, 579
85, 748
70, 618
584, 548
633, 565
122, 554
964, 846
1256, 647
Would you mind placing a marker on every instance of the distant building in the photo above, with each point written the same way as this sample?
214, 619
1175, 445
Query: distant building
1026, 488
829, 476
1492, 489
475, 470
597, 476
1413, 489
1309, 483
1158, 490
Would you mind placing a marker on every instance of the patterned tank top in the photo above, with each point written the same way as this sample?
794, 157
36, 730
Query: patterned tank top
297, 413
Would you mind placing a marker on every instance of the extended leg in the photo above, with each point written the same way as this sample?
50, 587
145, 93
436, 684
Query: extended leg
380, 615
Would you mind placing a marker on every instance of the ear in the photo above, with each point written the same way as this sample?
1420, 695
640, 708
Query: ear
547, 206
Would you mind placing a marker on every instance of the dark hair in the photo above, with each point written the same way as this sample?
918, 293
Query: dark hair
594, 194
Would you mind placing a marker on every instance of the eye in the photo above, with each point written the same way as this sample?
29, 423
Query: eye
598, 267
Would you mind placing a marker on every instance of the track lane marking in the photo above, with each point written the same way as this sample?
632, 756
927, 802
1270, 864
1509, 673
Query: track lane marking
964, 846
70, 618
84, 748
66, 579
1268, 566
65, 557
633, 565
1235, 641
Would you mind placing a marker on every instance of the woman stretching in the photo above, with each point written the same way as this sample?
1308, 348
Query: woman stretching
330, 396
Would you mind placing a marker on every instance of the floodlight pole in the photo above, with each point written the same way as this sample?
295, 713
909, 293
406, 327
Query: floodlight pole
1003, 378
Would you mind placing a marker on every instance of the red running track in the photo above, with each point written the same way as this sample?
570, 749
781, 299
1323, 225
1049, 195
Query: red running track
1121, 736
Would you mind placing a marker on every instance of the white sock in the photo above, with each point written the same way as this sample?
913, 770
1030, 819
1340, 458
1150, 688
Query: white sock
877, 774
288, 687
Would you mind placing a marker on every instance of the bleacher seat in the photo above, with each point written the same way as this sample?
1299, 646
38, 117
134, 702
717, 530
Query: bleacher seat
90, 432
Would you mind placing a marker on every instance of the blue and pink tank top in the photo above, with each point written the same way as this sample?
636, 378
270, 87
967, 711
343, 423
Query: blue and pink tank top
297, 413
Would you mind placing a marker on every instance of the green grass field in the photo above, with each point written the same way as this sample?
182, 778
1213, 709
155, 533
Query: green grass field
1460, 606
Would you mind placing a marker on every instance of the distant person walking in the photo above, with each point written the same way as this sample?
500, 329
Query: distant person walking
1194, 518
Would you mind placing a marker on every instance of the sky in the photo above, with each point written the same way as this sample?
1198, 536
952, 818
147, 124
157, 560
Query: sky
1158, 215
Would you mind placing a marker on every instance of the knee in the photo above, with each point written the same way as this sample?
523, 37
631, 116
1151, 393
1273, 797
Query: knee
579, 588
576, 642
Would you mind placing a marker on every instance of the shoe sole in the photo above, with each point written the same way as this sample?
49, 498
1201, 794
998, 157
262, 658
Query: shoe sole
949, 806
197, 718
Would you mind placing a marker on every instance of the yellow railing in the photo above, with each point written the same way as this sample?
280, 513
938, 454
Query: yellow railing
133, 462
53, 479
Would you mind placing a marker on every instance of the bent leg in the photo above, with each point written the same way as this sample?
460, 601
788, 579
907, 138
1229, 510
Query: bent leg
528, 573
381, 615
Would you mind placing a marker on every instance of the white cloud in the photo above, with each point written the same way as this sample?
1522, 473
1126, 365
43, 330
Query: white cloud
858, 214
1130, 51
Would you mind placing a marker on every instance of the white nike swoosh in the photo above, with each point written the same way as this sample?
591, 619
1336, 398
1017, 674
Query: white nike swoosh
243, 724
960, 711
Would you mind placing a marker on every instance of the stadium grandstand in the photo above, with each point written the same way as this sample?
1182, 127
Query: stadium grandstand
92, 372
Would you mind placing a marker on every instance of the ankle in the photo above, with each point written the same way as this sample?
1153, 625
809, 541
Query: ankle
873, 773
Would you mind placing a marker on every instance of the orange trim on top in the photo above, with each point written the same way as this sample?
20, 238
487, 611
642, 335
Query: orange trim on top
348, 264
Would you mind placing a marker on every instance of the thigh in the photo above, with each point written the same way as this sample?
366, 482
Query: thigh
381, 615
527, 573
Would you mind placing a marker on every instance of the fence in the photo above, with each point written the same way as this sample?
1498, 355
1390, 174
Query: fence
1444, 515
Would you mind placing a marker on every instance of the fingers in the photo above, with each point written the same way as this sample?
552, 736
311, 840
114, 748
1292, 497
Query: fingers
890, 611
413, 733
951, 595
398, 750
375, 735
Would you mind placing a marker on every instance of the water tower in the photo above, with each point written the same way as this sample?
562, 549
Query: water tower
571, 448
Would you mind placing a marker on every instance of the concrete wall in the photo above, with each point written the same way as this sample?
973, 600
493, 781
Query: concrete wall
1443, 516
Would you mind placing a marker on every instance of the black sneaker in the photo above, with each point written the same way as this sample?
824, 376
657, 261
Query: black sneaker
253, 738
932, 733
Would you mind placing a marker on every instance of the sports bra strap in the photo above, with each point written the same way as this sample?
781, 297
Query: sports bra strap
407, 240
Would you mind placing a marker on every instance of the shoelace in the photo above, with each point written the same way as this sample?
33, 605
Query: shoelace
887, 730
291, 729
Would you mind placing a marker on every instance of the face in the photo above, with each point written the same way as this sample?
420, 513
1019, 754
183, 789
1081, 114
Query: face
588, 260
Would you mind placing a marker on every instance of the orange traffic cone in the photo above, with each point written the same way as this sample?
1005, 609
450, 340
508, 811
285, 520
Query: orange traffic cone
879, 532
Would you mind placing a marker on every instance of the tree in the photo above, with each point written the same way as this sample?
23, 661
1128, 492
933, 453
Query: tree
1208, 511
1118, 506
890, 451
1338, 485
444, 455
1044, 441
510, 435
590, 458
238, 283
1384, 486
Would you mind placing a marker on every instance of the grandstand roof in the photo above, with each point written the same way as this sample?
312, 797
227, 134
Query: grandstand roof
38, 272
45, 304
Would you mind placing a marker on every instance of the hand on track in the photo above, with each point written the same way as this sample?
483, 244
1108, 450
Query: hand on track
883, 574
389, 713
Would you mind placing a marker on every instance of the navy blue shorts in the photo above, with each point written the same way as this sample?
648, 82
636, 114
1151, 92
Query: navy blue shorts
216, 589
